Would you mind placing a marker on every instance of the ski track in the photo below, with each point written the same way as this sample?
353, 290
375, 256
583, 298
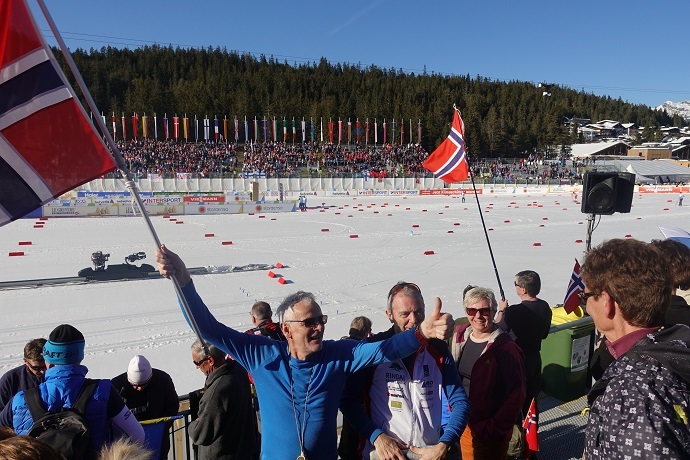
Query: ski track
349, 276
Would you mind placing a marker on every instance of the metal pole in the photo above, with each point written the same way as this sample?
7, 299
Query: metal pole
117, 157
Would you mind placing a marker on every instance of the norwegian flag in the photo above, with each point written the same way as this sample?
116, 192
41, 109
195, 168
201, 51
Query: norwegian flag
449, 161
531, 427
575, 286
48, 146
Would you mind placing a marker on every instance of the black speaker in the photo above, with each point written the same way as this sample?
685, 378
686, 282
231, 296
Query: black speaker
606, 193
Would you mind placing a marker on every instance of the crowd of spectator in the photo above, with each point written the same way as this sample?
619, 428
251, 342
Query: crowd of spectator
170, 159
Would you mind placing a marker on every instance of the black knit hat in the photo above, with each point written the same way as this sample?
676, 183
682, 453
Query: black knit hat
65, 345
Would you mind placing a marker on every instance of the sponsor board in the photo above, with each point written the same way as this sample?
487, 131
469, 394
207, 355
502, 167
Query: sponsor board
662, 189
163, 200
57, 211
101, 201
404, 192
375, 192
204, 198
340, 193
503, 191
237, 197
152, 210
449, 191
212, 209
268, 207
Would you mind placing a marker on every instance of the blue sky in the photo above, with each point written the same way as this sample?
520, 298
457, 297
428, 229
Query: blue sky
631, 50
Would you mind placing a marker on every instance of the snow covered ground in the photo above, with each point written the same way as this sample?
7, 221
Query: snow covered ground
350, 276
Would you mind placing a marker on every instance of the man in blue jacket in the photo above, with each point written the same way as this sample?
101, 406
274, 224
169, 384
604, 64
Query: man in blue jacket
300, 381
106, 413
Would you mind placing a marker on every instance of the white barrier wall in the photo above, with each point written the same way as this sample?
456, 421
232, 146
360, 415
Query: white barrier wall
321, 184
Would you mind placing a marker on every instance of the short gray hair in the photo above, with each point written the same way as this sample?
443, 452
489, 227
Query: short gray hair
476, 294
213, 351
292, 300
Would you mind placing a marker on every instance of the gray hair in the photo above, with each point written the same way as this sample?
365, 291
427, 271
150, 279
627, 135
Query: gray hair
406, 290
125, 448
476, 294
292, 300
213, 351
529, 280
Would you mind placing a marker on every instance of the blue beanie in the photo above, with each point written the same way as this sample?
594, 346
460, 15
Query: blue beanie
65, 345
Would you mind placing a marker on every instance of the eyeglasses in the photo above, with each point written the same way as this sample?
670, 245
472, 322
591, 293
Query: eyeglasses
583, 296
482, 311
516, 284
39, 368
310, 322
200, 362
399, 287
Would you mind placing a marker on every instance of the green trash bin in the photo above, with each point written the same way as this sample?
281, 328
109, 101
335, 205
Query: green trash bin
565, 359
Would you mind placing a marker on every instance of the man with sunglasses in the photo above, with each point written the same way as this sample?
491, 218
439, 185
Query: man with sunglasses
226, 427
28, 375
406, 397
301, 380
640, 406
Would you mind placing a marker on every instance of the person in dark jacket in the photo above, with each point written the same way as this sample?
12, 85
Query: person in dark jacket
640, 406
226, 427
263, 324
28, 375
149, 393
528, 322
677, 258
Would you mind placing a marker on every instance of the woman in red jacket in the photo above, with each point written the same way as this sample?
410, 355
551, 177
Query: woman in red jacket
493, 373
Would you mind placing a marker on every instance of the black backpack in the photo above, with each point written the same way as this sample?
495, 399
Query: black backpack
67, 430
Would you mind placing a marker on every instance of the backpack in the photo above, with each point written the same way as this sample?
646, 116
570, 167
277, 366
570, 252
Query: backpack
67, 430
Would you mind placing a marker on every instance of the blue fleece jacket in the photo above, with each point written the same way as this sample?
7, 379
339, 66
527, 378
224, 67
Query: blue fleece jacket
324, 373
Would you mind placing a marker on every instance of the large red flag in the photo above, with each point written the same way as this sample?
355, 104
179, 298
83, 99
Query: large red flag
48, 146
531, 427
449, 161
575, 286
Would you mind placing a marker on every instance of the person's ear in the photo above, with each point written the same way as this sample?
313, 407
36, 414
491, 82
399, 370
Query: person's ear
389, 315
610, 305
287, 332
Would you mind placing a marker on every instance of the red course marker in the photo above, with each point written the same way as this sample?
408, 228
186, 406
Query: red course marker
428, 253
25, 243
16, 253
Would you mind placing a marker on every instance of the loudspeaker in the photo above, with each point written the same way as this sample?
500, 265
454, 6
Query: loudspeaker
606, 193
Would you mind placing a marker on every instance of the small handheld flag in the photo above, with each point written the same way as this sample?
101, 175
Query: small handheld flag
449, 161
575, 286
531, 427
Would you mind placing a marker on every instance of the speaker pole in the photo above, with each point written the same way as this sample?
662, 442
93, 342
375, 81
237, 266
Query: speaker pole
590, 229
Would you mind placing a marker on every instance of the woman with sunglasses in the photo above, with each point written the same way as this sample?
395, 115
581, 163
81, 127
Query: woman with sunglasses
493, 373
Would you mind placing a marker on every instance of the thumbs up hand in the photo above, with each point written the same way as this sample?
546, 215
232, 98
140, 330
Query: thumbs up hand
437, 325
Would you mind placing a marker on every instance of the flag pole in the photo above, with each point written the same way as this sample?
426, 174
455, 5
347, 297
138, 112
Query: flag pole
117, 158
481, 216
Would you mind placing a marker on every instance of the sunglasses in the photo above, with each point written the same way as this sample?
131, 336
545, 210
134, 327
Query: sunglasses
40, 367
583, 296
198, 363
481, 311
310, 322
399, 287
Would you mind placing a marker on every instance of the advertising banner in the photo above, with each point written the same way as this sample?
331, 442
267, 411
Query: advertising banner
195, 209
268, 207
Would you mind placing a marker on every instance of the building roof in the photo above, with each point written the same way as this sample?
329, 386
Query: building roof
654, 168
594, 148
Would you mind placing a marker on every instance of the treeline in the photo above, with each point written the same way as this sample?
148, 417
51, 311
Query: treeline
501, 118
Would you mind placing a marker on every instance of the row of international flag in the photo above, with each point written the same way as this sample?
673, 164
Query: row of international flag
206, 129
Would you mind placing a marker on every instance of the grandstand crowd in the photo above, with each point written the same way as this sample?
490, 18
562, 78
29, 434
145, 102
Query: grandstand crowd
170, 159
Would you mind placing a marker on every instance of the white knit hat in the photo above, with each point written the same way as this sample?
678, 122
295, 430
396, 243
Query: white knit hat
139, 370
